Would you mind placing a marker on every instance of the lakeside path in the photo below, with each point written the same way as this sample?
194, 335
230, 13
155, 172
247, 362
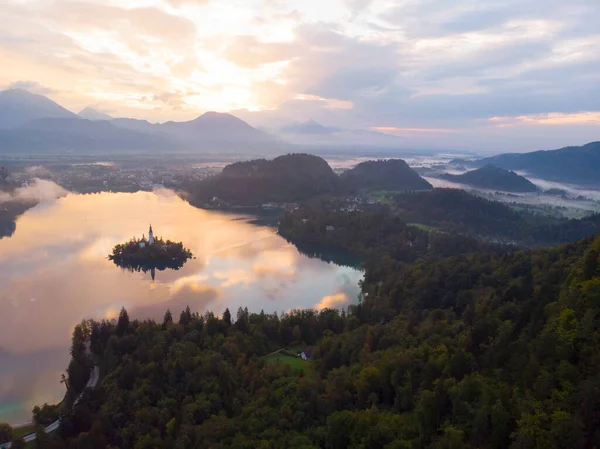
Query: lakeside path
92, 381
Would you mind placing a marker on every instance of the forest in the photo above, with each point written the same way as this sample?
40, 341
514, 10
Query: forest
446, 211
489, 349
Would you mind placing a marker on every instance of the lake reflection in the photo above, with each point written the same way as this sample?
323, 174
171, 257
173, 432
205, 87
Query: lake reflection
54, 272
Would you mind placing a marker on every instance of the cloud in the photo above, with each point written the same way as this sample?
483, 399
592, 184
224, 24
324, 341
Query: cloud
38, 190
31, 86
334, 301
427, 64
578, 118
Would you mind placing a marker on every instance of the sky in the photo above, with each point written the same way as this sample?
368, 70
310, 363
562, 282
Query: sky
510, 75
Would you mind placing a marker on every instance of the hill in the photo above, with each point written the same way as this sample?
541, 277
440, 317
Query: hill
391, 174
473, 351
9, 213
493, 178
288, 178
19, 106
578, 165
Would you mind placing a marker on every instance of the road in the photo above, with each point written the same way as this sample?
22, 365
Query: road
91, 383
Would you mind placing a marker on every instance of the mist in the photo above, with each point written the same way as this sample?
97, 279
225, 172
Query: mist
38, 190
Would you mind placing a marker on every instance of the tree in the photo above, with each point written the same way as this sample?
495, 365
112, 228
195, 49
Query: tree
122, 322
227, 317
6, 433
186, 316
241, 322
168, 319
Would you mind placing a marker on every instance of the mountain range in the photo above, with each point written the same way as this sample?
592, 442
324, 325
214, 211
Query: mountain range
578, 165
34, 123
494, 178
312, 132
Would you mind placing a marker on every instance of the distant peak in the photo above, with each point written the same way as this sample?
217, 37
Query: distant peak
93, 114
209, 114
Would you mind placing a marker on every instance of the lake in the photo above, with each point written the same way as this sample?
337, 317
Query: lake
54, 272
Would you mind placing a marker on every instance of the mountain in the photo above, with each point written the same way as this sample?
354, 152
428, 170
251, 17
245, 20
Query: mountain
26, 126
579, 165
136, 125
312, 133
391, 174
293, 177
309, 127
18, 106
76, 135
491, 177
93, 114
213, 127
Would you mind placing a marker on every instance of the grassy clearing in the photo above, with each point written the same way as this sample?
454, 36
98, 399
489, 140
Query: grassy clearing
290, 360
423, 227
381, 196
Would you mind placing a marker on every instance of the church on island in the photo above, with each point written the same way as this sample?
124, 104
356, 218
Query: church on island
150, 241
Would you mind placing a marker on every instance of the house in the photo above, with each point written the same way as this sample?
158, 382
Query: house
330, 228
306, 354
305, 220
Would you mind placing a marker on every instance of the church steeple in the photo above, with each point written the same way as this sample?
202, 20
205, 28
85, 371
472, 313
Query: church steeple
150, 236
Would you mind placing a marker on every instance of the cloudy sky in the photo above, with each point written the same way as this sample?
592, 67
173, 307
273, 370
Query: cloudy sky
473, 74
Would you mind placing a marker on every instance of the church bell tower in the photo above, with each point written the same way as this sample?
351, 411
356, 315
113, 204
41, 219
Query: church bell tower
150, 236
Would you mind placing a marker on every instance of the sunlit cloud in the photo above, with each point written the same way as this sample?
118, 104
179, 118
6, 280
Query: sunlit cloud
554, 118
329, 103
336, 300
430, 65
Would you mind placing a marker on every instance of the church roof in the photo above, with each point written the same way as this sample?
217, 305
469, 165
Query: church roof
143, 238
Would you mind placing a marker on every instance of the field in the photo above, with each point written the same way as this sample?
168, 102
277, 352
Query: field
288, 358
423, 227
381, 196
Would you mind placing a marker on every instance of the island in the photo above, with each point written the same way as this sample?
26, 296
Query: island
150, 254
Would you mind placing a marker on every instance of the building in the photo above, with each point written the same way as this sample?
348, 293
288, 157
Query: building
330, 228
150, 241
306, 354
150, 237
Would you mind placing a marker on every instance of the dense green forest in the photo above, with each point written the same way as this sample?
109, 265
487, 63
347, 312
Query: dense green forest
459, 211
494, 178
413, 222
375, 232
482, 350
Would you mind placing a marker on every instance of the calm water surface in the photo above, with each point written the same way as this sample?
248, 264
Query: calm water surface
54, 272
